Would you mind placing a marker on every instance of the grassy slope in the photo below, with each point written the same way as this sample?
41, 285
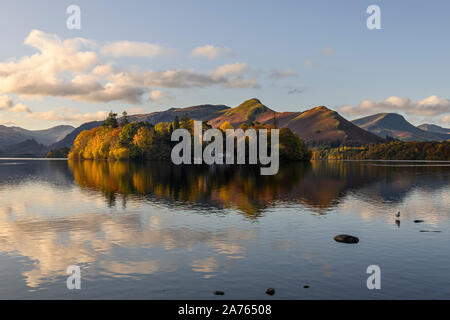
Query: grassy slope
321, 124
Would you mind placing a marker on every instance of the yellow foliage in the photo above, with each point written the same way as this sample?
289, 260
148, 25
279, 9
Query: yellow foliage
95, 143
226, 125
162, 127
120, 154
143, 138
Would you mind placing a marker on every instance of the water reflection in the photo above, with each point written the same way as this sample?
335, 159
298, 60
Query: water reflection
320, 185
242, 187
231, 225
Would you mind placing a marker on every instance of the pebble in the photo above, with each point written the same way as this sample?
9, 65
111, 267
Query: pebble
345, 238
270, 291
219, 293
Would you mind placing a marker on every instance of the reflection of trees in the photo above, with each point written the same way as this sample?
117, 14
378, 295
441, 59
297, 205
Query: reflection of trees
241, 187
329, 181
320, 185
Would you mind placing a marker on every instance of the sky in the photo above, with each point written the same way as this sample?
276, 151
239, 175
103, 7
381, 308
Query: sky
146, 56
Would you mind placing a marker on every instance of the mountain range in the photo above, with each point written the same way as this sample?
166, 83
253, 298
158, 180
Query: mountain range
25, 149
433, 128
396, 126
14, 135
317, 126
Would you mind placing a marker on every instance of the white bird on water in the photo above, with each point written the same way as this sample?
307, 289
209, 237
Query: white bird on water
398, 214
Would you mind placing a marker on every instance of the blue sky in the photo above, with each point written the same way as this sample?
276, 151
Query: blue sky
292, 55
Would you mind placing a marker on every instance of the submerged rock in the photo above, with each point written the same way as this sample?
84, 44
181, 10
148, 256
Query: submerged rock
345, 238
219, 293
270, 291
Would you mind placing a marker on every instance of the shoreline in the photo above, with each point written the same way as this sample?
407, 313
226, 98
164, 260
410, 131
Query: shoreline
336, 160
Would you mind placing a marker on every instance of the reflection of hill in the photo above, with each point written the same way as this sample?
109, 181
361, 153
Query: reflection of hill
394, 183
320, 185
18, 171
328, 181
220, 186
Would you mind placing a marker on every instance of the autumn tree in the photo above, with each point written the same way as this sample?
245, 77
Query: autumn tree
143, 141
226, 125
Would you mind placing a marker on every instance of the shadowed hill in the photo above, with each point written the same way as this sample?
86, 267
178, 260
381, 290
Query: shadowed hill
25, 149
318, 126
70, 138
395, 125
201, 112
13, 135
321, 125
434, 128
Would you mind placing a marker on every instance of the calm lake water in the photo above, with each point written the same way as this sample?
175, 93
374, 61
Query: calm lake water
157, 231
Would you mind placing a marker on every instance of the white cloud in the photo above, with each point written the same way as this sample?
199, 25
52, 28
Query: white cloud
133, 49
232, 69
431, 106
445, 120
210, 52
7, 121
103, 70
165, 79
58, 69
137, 110
242, 83
182, 78
72, 69
6, 103
155, 95
68, 115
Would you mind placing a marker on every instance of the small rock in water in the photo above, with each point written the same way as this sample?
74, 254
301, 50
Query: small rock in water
345, 238
418, 221
270, 291
306, 286
219, 293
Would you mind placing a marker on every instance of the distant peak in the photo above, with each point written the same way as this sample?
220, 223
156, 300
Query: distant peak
321, 108
251, 103
390, 114
253, 100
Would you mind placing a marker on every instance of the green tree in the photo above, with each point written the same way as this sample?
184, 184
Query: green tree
176, 123
124, 120
292, 148
111, 120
